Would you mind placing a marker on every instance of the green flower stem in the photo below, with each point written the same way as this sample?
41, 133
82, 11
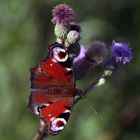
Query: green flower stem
101, 79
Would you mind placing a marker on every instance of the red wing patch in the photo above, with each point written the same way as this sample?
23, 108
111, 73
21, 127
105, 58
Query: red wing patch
49, 72
55, 70
55, 109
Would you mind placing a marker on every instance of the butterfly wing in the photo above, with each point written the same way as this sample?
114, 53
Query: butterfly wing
52, 92
50, 95
56, 115
48, 73
47, 86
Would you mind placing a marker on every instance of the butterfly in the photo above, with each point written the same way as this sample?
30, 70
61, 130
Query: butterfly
53, 89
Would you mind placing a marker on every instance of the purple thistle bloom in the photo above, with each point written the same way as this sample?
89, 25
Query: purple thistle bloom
121, 52
62, 14
97, 52
82, 53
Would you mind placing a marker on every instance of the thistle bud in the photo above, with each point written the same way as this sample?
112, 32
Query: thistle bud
97, 52
73, 36
61, 31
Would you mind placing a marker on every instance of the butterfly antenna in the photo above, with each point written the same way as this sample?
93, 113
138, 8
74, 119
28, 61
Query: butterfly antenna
87, 102
90, 106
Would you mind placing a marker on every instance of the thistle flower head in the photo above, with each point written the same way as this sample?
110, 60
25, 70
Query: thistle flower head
62, 14
97, 52
121, 52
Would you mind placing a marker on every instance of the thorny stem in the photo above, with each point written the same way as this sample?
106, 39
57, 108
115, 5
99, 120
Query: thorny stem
107, 71
87, 89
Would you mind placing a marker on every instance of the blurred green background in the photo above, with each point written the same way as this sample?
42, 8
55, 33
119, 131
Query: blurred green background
25, 32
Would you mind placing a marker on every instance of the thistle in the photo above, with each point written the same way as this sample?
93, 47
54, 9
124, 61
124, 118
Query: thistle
121, 52
66, 30
94, 55
62, 14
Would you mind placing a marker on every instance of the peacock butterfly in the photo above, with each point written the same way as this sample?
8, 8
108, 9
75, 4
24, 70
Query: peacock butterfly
53, 89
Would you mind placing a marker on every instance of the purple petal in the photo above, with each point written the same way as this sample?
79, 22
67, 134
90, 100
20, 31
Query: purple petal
62, 14
82, 53
121, 52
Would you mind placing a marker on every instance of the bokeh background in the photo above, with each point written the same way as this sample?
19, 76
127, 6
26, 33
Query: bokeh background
25, 32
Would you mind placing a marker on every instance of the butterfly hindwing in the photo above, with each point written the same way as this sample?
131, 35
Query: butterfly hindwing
56, 114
